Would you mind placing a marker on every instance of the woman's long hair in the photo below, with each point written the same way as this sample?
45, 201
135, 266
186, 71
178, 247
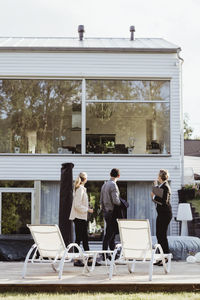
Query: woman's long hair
81, 177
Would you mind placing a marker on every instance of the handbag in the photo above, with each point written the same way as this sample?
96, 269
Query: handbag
157, 191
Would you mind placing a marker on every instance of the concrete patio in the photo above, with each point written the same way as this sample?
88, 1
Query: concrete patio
40, 277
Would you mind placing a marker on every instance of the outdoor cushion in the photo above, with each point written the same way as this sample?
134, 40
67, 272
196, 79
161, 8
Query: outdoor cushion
182, 246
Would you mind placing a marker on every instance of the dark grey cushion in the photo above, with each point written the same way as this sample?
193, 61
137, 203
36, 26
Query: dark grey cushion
181, 246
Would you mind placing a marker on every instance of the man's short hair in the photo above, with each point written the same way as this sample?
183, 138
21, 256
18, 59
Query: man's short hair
115, 173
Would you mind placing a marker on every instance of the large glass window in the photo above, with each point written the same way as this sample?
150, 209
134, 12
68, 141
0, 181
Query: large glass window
122, 116
40, 116
127, 117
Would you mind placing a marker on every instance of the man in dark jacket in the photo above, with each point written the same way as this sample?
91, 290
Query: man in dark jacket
110, 197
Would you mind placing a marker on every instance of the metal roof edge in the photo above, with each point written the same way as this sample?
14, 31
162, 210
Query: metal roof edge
84, 49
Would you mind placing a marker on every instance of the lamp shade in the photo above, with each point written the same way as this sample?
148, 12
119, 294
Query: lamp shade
184, 212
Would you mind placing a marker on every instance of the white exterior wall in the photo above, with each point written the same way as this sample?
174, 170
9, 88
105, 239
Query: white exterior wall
97, 65
192, 162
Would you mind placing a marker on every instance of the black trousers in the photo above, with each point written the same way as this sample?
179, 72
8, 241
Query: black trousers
109, 237
162, 223
81, 233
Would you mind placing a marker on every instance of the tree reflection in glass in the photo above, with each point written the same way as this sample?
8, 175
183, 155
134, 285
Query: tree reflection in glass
141, 90
39, 113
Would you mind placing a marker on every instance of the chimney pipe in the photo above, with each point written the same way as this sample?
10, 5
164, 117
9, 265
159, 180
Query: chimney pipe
81, 31
132, 30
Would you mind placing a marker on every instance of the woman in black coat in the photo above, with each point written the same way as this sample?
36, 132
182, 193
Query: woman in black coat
164, 211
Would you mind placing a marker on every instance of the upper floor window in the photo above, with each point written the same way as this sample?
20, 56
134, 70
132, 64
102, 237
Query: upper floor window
128, 116
119, 116
40, 116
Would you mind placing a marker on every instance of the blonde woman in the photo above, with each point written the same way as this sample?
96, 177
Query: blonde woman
79, 212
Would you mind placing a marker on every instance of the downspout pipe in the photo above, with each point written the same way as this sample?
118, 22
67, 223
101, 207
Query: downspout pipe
181, 116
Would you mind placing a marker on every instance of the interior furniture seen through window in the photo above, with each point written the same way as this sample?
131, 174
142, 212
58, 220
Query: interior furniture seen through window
135, 112
92, 116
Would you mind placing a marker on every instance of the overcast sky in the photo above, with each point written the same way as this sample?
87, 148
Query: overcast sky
178, 21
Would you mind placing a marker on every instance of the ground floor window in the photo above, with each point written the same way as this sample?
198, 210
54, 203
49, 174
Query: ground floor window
96, 222
17, 205
49, 213
16, 213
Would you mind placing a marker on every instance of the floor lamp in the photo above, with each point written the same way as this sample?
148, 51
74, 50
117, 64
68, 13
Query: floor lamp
184, 214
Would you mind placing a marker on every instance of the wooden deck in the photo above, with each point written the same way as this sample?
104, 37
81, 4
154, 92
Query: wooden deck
40, 277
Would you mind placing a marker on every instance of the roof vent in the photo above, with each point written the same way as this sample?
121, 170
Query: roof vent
80, 32
132, 30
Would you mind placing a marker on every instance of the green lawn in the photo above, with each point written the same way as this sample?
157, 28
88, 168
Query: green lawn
102, 296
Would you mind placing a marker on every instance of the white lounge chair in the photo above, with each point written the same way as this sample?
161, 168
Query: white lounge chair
136, 246
50, 247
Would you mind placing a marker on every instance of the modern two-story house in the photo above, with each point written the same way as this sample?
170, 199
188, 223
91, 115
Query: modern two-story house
96, 102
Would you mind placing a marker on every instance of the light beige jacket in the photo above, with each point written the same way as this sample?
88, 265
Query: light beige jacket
79, 208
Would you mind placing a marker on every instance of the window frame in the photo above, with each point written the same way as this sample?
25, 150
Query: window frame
131, 101
83, 112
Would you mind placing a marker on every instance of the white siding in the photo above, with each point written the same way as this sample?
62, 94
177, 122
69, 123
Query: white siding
83, 65
91, 64
98, 168
192, 162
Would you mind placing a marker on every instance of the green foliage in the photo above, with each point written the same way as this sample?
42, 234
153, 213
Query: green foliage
94, 189
189, 186
187, 129
196, 204
16, 212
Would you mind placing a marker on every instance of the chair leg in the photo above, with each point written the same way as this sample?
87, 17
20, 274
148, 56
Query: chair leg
61, 265
112, 264
150, 269
151, 264
131, 267
85, 261
53, 265
93, 262
169, 257
26, 260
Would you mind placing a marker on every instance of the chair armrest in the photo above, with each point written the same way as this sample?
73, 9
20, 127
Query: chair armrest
158, 246
76, 246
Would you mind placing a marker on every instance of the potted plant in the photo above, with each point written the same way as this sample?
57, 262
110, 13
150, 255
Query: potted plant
110, 144
186, 193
